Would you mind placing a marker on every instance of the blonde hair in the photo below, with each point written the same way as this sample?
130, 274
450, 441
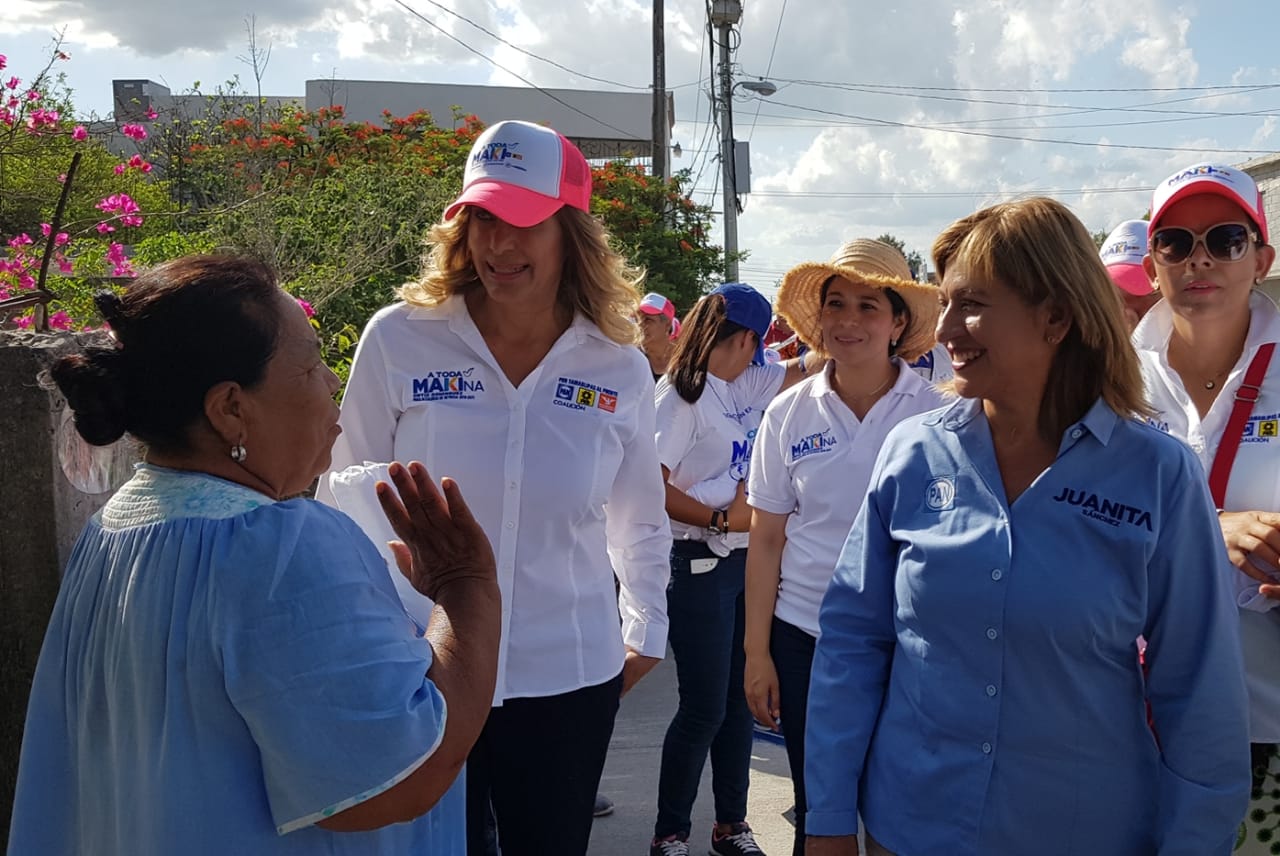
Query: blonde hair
597, 280
1040, 250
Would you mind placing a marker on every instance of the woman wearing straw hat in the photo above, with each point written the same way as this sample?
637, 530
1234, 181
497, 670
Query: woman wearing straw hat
812, 461
976, 687
1207, 249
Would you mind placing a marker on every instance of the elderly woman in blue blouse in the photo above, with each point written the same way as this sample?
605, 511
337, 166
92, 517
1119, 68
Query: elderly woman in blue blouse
228, 670
976, 686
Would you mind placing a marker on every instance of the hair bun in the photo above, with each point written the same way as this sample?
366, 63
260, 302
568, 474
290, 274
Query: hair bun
95, 385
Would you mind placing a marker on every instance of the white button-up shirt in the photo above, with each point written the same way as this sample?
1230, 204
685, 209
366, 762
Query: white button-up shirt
561, 473
699, 442
1254, 484
813, 460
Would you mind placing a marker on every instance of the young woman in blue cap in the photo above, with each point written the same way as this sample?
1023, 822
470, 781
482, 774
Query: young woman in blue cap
709, 408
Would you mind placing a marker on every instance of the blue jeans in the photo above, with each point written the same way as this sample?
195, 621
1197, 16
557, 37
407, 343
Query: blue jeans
792, 652
706, 614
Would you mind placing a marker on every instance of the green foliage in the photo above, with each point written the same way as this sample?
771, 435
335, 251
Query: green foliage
915, 261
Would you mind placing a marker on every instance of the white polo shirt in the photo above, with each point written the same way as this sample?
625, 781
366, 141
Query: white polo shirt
813, 460
700, 441
560, 472
934, 365
1255, 476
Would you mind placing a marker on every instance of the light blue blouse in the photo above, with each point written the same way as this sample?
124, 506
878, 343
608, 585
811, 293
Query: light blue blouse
222, 671
976, 687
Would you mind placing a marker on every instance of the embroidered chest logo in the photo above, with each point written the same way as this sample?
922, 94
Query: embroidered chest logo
1261, 429
940, 495
579, 395
1109, 511
447, 384
814, 444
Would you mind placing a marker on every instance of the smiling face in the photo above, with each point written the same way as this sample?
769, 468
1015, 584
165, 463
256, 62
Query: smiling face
515, 264
655, 330
999, 345
857, 323
291, 419
1201, 285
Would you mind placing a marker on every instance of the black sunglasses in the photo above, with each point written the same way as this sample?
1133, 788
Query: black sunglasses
1226, 242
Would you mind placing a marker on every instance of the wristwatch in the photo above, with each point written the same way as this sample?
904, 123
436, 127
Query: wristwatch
719, 524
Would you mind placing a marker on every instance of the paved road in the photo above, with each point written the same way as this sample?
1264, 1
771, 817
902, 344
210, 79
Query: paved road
631, 779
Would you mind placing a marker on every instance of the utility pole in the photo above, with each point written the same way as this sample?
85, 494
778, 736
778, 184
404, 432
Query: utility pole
659, 94
724, 15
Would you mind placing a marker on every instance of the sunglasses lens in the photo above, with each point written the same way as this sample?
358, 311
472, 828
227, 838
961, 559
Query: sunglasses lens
1172, 246
1227, 242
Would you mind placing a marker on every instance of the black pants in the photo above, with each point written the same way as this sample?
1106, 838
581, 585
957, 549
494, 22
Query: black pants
792, 651
534, 772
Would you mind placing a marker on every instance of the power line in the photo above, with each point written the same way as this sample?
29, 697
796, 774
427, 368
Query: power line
1012, 137
1226, 89
782, 13
500, 66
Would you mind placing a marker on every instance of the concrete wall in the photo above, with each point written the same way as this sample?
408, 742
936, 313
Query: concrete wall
50, 484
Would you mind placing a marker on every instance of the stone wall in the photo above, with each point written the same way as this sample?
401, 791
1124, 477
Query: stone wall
51, 482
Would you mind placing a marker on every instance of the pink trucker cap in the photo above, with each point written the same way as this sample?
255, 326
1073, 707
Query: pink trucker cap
655, 304
1122, 253
523, 173
1235, 184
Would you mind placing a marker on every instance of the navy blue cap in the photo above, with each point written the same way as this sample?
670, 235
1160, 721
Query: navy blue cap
748, 307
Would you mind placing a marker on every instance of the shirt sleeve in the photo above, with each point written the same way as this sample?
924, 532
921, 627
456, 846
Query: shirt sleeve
760, 384
1195, 675
638, 533
322, 663
675, 426
851, 666
769, 486
369, 412
716, 492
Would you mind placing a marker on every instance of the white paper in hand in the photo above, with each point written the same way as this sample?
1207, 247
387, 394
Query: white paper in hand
354, 495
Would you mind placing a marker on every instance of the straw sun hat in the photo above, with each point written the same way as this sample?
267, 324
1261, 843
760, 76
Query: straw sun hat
874, 263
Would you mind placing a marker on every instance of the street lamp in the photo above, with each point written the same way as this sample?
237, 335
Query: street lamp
728, 161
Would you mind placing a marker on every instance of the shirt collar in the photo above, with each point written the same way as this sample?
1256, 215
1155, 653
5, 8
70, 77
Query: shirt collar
1155, 328
907, 383
1100, 420
453, 309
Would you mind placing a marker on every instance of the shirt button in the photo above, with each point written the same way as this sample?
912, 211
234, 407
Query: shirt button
513, 485
991, 690
986, 748
510, 525
1076, 434
992, 633
997, 574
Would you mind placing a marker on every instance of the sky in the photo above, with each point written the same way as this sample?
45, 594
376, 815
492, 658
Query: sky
897, 116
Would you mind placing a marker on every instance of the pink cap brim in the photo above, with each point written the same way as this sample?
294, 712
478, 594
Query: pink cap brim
1195, 188
515, 205
1130, 278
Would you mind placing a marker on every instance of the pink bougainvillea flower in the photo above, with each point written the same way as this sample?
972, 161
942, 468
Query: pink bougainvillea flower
3, 61
22, 322
152, 114
104, 228
306, 307
63, 55
64, 264
80, 134
61, 239
119, 168
13, 83
60, 320
33, 95
134, 132
22, 239
45, 229
6, 116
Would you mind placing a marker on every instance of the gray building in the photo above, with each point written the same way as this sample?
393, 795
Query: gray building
1266, 172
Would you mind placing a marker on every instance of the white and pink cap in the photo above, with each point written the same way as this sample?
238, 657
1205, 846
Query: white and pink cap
655, 304
1122, 253
523, 173
1234, 184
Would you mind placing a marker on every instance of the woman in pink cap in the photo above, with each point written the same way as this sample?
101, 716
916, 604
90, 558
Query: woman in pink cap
1213, 380
659, 329
511, 366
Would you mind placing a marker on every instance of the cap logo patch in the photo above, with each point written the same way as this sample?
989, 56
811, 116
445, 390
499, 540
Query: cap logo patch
498, 154
1200, 172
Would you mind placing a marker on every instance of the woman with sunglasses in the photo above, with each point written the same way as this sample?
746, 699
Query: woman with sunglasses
1208, 248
